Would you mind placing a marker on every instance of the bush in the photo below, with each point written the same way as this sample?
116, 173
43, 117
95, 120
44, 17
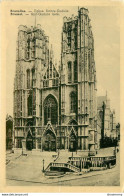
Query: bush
108, 142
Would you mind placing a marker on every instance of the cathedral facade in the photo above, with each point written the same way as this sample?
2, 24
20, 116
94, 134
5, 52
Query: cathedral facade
55, 108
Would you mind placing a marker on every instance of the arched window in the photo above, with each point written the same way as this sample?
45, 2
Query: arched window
50, 110
73, 102
28, 49
50, 69
69, 72
75, 71
28, 78
69, 38
33, 78
75, 37
33, 48
29, 102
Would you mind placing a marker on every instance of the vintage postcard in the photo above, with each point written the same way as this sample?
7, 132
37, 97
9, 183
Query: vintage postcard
62, 128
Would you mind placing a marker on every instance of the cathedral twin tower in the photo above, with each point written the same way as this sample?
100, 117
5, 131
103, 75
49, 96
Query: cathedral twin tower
56, 108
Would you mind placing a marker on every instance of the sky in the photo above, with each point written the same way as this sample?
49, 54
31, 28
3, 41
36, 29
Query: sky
105, 23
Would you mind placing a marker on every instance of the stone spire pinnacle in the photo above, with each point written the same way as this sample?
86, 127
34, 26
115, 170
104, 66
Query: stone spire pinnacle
51, 53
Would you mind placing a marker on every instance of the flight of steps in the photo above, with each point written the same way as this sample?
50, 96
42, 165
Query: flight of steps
62, 161
63, 157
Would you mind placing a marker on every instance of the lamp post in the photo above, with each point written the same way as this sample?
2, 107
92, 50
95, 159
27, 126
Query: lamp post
58, 152
22, 150
89, 150
43, 165
80, 165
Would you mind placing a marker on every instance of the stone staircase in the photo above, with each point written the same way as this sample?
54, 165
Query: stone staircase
63, 166
63, 157
61, 163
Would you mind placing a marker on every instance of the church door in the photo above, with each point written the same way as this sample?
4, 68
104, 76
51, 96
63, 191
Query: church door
29, 142
73, 143
49, 141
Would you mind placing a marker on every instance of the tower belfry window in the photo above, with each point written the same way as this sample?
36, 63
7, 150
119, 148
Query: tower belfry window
29, 102
33, 77
73, 102
50, 69
28, 49
75, 37
28, 78
33, 48
75, 71
69, 72
69, 38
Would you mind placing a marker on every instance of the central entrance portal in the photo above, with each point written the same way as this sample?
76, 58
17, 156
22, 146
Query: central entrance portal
29, 141
49, 141
72, 142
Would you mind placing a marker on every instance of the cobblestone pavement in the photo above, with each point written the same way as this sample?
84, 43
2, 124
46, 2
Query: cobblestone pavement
27, 171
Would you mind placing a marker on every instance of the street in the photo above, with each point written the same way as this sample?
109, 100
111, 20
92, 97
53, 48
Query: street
28, 174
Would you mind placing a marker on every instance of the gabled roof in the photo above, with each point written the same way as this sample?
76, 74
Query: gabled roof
51, 72
8, 117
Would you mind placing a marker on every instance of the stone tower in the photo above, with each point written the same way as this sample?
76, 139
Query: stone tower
32, 58
56, 108
78, 81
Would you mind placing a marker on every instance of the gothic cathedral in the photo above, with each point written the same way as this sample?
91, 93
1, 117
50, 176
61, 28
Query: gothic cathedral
55, 107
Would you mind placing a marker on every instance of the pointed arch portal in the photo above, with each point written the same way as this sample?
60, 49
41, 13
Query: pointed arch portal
72, 141
49, 141
29, 141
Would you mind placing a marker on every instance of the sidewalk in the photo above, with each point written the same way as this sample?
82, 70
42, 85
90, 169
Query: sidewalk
8, 152
35, 175
45, 180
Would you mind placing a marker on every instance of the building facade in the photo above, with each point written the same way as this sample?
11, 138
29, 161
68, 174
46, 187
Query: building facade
106, 122
56, 108
118, 131
9, 132
113, 124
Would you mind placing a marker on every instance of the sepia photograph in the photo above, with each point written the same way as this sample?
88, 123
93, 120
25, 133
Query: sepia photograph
62, 96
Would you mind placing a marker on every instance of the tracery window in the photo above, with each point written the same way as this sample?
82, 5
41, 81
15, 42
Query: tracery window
33, 78
28, 49
69, 72
29, 104
28, 78
50, 69
33, 48
75, 37
73, 102
34, 102
50, 110
69, 38
75, 71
